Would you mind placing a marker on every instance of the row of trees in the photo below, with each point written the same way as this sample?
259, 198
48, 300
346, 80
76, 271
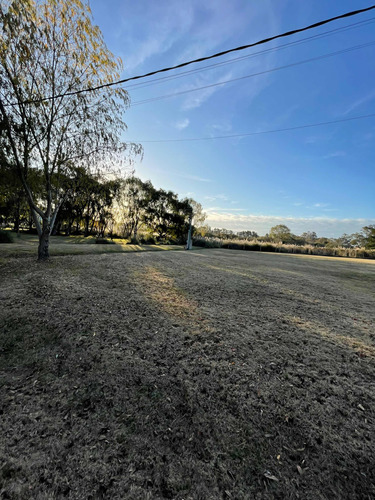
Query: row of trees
96, 205
49, 128
55, 139
282, 234
157, 211
61, 122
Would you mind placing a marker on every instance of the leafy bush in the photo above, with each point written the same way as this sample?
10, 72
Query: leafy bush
104, 241
148, 240
5, 236
268, 247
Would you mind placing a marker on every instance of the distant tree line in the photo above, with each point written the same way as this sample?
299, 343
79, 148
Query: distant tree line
107, 205
282, 235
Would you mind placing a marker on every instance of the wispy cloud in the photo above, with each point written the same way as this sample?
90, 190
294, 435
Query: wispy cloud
226, 209
216, 197
181, 125
363, 100
311, 140
197, 98
149, 39
183, 176
194, 178
222, 127
335, 154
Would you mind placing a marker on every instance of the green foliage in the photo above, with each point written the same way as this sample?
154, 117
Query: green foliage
369, 232
134, 201
159, 212
52, 49
104, 241
262, 246
309, 237
134, 241
5, 237
281, 234
147, 239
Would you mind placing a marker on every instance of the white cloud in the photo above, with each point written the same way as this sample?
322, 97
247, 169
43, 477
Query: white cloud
335, 154
197, 98
148, 39
216, 197
194, 178
183, 176
311, 140
369, 136
218, 209
356, 104
323, 226
223, 126
182, 124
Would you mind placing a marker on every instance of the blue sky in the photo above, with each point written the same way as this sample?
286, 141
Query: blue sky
320, 178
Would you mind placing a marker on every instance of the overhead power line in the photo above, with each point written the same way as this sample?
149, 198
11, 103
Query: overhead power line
291, 65
336, 31
273, 131
206, 58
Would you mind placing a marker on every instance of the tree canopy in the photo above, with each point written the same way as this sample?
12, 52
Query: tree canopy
281, 234
48, 51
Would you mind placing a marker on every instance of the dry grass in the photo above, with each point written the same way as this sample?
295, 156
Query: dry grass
188, 375
25, 244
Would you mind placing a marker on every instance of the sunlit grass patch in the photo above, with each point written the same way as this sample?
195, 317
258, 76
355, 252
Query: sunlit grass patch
161, 289
316, 328
27, 245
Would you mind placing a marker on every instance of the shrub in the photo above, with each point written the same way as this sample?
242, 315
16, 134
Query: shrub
207, 242
104, 241
268, 247
263, 246
5, 236
147, 239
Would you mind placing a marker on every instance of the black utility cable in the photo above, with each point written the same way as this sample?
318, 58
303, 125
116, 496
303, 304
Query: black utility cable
291, 65
141, 85
287, 129
218, 54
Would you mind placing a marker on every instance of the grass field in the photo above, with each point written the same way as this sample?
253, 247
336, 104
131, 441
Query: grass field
27, 244
211, 374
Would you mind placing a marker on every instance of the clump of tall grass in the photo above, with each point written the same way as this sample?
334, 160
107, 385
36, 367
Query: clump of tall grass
104, 241
5, 236
264, 246
207, 242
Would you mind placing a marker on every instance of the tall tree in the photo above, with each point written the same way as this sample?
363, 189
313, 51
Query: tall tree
135, 199
167, 216
369, 232
281, 234
49, 50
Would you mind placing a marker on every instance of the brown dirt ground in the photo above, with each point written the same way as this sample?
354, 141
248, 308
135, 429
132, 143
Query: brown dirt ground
209, 374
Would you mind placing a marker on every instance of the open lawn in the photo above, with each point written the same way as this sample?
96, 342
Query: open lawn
27, 244
211, 374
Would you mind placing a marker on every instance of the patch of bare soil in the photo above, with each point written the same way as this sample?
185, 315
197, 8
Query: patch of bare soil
210, 374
